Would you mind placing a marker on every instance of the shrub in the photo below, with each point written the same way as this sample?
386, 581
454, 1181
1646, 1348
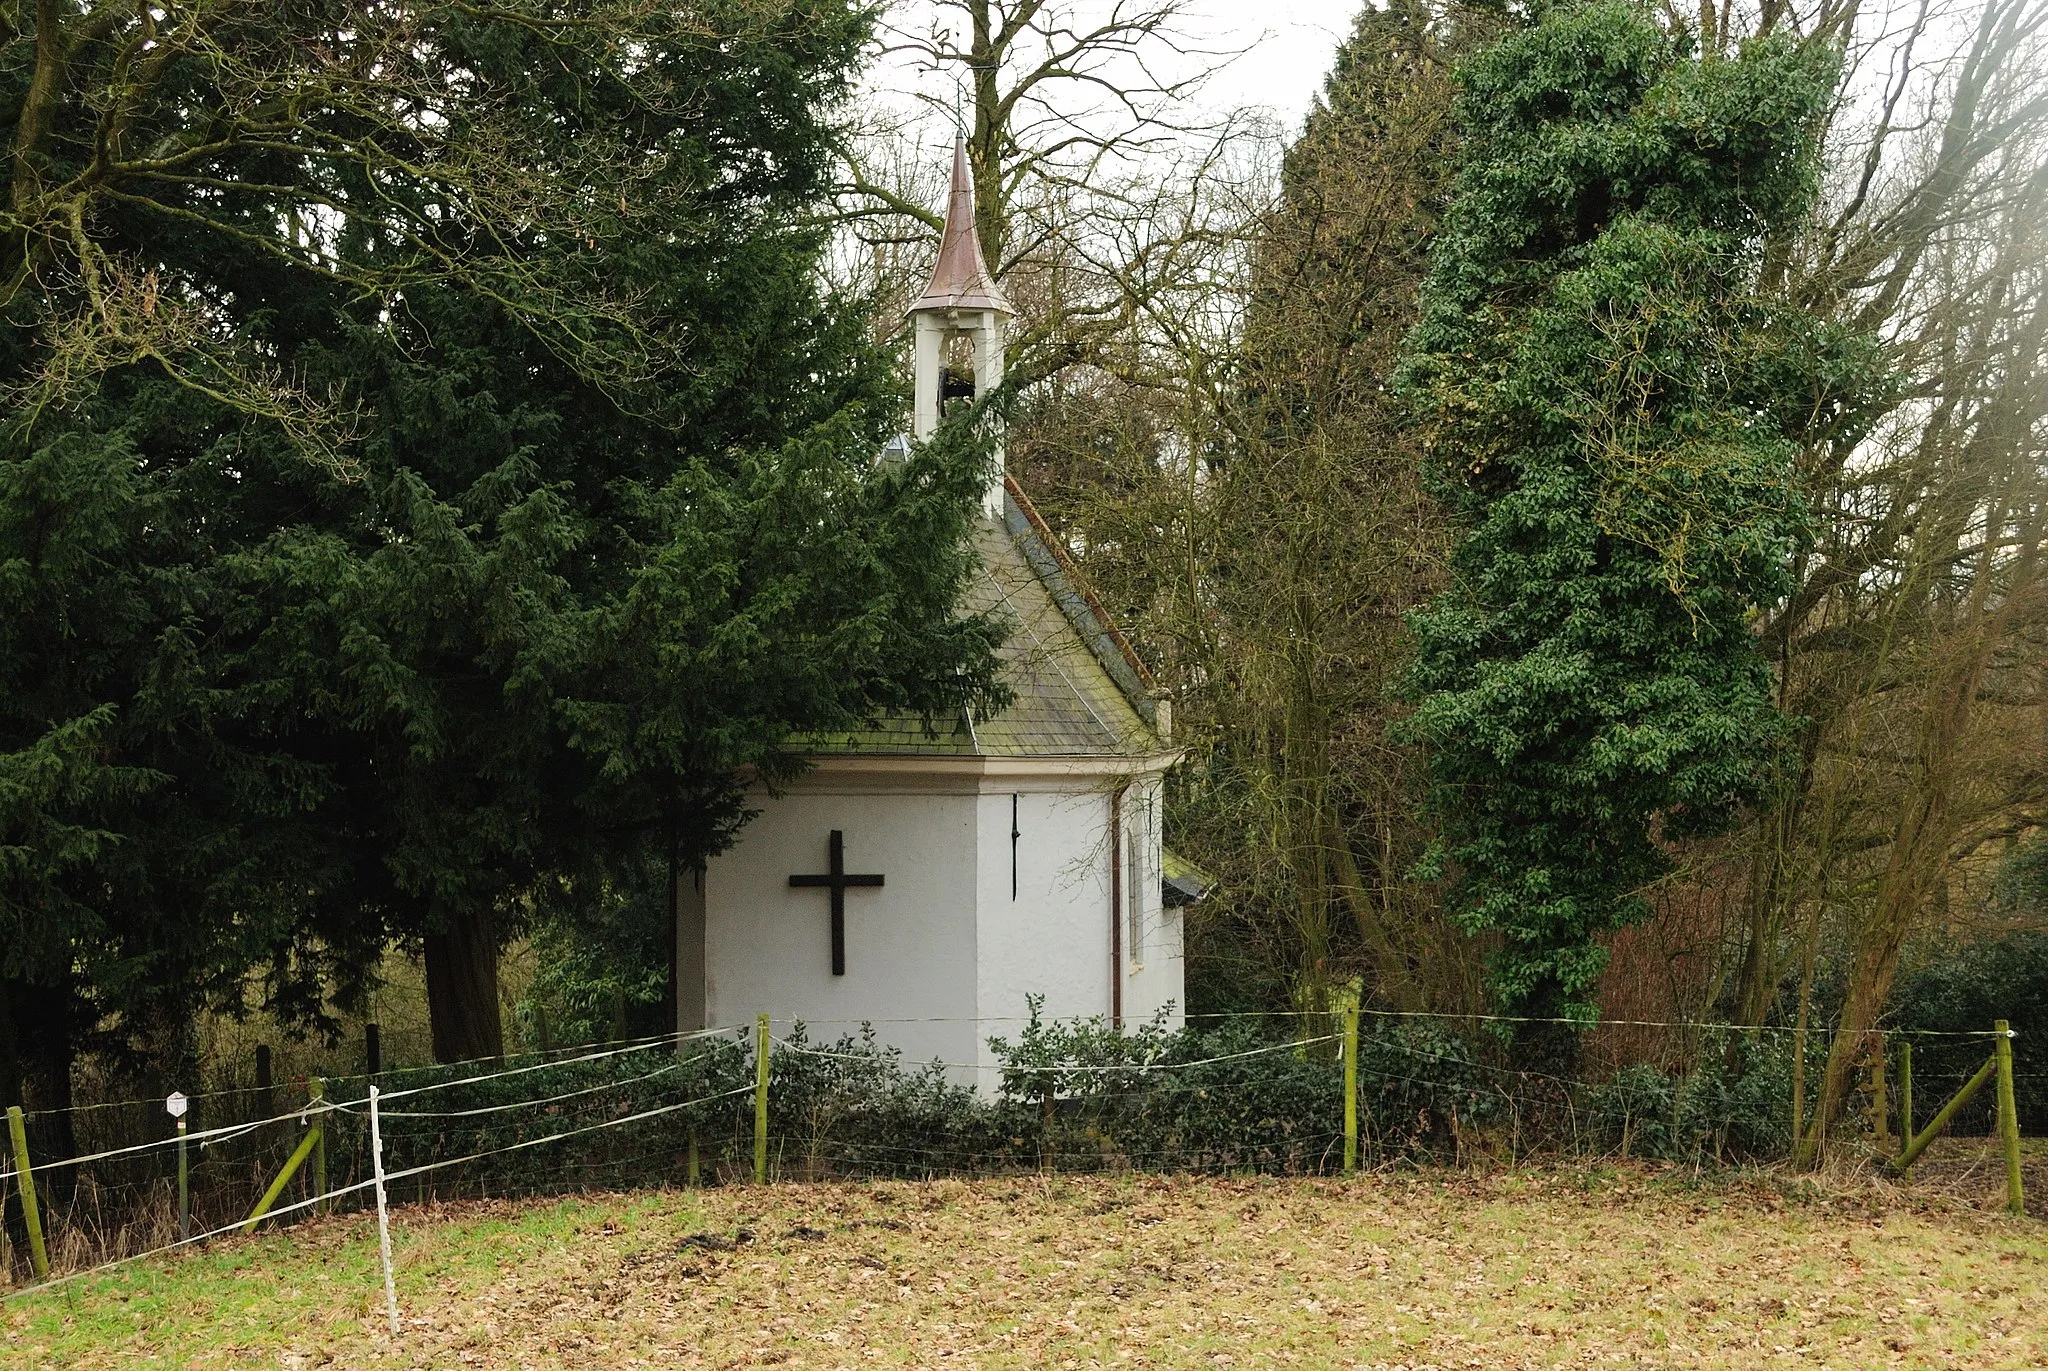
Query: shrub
1947, 1004
1231, 1098
1736, 1103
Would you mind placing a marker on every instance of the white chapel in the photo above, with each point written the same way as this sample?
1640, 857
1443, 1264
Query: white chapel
928, 885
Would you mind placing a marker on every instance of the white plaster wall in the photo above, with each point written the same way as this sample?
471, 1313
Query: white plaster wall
1053, 938
690, 1007
942, 956
910, 945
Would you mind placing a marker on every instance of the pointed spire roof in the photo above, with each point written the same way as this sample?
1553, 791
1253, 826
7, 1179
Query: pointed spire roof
961, 280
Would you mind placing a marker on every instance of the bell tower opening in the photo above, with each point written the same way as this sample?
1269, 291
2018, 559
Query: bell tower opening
960, 323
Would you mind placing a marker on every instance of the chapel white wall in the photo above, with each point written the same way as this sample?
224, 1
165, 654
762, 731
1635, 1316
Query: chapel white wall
1154, 953
943, 939
910, 945
1053, 938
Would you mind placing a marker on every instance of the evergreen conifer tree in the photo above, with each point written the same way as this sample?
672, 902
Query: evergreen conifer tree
432, 476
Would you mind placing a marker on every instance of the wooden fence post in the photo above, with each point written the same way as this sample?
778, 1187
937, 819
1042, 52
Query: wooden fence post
1351, 1090
31, 1217
1798, 1088
266, 1102
1918, 1143
291, 1168
316, 1088
2009, 1123
761, 1100
1905, 1091
184, 1187
383, 1213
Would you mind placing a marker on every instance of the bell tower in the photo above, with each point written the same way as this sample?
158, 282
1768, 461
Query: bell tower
962, 302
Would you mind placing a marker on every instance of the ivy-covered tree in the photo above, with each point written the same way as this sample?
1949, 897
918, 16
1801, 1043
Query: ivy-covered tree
1612, 409
430, 476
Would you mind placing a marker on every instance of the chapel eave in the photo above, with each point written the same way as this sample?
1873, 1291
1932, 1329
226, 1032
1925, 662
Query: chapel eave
867, 772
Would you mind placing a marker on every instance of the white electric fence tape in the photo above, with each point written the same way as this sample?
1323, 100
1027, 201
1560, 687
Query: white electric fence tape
518, 1104
371, 1183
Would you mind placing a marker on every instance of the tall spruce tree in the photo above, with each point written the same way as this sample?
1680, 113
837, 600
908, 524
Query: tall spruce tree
1612, 410
432, 475
1318, 539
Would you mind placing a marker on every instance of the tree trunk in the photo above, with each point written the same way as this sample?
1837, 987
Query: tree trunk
36, 1058
462, 989
54, 1015
1770, 905
1544, 1043
670, 995
1390, 964
10, 1052
1925, 829
10, 1093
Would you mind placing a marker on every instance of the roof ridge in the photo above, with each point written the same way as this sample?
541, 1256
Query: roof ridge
1078, 580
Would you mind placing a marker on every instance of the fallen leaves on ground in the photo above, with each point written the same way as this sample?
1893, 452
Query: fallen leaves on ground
1404, 1271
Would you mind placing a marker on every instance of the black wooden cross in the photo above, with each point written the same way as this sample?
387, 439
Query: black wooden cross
837, 881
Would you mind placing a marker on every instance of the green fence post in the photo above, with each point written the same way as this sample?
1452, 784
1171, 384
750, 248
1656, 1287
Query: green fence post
316, 1088
2009, 1123
1905, 1092
1940, 1120
1798, 1089
284, 1177
31, 1217
1351, 1090
761, 1100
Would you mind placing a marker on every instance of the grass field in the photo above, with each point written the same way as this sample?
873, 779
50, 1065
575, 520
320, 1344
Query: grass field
1444, 1270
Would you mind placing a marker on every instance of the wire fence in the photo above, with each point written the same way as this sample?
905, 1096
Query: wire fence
1222, 1094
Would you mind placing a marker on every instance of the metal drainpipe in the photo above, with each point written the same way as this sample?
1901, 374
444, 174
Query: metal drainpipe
1116, 908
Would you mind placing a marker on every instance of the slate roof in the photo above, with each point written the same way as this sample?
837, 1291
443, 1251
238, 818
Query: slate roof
1080, 690
1181, 882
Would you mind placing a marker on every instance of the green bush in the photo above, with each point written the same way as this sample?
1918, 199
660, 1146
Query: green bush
1076, 1095
1231, 1098
1735, 1104
851, 1109
1946, 1007
1632, 1111
1948, 1002
503, 1119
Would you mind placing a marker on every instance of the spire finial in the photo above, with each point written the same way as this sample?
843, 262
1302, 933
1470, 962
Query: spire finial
961, 278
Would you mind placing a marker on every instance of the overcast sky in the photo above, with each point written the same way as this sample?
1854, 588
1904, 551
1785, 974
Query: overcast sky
1285, 49
1290, 43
